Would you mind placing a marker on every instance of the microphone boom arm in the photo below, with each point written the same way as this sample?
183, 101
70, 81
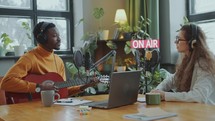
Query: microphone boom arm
112, 54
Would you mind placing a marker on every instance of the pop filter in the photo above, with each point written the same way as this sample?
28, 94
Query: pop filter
78, 58
152, 59
155, 58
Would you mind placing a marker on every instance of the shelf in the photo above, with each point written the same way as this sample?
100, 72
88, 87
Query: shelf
103, 49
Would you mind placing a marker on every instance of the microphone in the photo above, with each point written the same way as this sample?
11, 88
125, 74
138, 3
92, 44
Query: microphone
81, 60
87, 61
152, 59
78, 59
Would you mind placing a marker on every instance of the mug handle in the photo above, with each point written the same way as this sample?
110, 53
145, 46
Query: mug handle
58, 96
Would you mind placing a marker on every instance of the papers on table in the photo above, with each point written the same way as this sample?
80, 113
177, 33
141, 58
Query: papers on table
150, 114
71, 101
141, 99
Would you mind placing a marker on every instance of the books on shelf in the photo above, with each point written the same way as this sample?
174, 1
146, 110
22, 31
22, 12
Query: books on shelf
149, 114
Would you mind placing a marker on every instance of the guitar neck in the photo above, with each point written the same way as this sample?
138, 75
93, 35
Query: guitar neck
87, 82
69, 83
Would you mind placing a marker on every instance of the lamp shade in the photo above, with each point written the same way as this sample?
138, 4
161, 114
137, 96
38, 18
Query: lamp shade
120, 16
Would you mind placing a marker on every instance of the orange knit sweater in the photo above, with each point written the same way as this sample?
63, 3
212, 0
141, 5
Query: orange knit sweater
36, 61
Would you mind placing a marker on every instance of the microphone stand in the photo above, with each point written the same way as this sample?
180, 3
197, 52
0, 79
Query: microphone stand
112, 54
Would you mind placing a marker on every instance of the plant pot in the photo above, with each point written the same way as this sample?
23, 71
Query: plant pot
107, 68
2, 51
121, 68
127, 35
102, 87
103, 35
19, 50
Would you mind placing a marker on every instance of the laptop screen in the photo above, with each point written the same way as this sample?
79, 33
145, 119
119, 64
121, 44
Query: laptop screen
124, 88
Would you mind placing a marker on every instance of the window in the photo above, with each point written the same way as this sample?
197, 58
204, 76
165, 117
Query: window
14, 12
202, 12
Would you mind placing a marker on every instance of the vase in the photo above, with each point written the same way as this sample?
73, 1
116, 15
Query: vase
19, 50
103, 35
121, 68
2, 51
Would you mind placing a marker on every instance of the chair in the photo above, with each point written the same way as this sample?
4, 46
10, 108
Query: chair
4, 98
2, 95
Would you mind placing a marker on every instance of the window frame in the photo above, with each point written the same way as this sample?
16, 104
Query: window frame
198, 17
202, 18
34, 13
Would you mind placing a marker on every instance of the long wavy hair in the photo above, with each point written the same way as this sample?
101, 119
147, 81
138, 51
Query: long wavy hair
200, 51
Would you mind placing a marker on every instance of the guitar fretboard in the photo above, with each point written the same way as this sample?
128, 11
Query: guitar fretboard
69, 83
76, 82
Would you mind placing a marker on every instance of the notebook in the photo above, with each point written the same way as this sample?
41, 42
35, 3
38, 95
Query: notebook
124, 88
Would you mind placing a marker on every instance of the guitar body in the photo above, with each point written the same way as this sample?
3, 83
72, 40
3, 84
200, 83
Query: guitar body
23, 97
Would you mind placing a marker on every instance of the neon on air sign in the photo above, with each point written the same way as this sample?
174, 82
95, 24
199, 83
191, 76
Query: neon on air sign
153, 43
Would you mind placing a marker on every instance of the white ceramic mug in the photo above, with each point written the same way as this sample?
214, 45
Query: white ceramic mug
48, 97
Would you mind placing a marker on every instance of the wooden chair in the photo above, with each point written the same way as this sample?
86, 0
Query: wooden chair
2, 95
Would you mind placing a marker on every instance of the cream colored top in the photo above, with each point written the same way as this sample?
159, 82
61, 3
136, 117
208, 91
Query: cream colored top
202, 88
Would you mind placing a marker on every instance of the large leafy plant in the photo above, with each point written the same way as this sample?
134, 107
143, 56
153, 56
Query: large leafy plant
5, 41
149, 77
27, 28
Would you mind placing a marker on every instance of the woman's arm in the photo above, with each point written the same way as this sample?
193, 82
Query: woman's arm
201, 89
167, 84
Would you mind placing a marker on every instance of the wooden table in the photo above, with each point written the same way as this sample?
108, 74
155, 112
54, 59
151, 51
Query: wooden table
34, 111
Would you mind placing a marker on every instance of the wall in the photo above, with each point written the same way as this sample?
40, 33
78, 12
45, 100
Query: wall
90, 23
78, 14
5, 65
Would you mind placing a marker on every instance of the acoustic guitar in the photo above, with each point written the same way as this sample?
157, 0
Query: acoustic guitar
58, 82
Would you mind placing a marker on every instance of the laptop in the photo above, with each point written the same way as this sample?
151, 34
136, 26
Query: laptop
124, 88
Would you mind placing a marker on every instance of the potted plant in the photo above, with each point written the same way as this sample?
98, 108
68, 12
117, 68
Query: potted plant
19, 49
98, 14
126, 31
4, 43
120, 65
149, 79
107, 66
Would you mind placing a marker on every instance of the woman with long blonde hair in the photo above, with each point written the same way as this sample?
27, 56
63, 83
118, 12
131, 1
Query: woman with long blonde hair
194, 79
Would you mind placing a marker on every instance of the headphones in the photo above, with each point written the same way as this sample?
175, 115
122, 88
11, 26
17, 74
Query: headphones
42, 37
193, 39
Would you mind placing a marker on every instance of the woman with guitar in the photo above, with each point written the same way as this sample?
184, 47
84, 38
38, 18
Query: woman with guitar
40, 69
